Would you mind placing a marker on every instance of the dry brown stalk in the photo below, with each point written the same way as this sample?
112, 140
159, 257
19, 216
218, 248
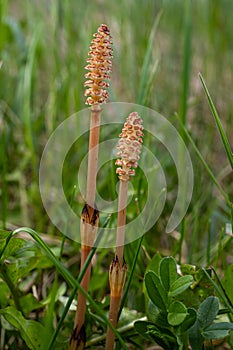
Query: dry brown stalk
129, 146
99, 66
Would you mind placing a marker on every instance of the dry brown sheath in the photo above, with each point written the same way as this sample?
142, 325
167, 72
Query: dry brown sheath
117, 274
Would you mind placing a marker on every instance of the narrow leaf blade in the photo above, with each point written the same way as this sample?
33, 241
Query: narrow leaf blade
143, 86
217, 330
180, 285
207, 311
168, 272
218, 122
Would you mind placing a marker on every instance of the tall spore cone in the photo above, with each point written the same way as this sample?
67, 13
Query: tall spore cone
129, 146
99, 66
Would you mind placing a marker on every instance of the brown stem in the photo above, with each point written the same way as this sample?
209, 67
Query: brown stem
78, 337
93, 154
122, 203
88, 228
113, 312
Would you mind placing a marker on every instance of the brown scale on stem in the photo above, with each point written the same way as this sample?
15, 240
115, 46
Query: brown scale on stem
78, 337
117, 274
90, 215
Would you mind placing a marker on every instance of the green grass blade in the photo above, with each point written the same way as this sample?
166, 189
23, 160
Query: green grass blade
51, 341
218, 122
49, 314
14, 291
67, 220
146, 76
130, 277
63, 271
184, 100
221, 286
219, 291
181, 240
231, 216
3, 157
5, 245
187, 62
207, 168
146, 91
26, 96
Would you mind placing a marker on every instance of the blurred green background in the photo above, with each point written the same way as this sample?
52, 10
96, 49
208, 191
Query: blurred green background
159, 49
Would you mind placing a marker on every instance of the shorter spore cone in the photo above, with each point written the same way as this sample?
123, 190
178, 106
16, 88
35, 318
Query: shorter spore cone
129, 146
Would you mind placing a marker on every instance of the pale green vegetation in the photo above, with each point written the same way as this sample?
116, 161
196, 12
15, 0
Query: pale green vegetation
159, 49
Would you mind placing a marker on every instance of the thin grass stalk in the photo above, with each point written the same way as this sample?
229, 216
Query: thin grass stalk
148, 74
26, 98
130, 277
223, 135
187, 53
99, 66
219, 291
187, 62
129, 146
3, 156
213, 178
14, 291
221, 286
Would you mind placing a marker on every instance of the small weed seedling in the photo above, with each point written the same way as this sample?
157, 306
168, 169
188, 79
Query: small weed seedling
173, 325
